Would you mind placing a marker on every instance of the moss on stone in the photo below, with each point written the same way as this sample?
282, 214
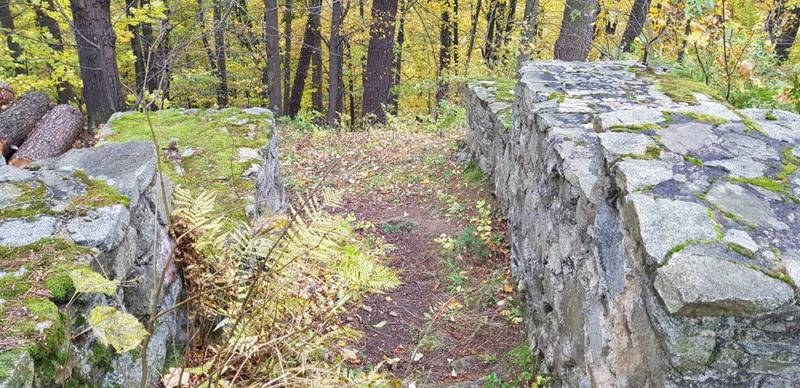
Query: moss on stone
49, 353
101, 356
733, 247
635, 128
59, 283
680, 89
98, 193
763, 182
557, 96
12, 286
752, 125
718, 231
32, 202
677, 248
771, 116
713, 120
216, 139
693, 160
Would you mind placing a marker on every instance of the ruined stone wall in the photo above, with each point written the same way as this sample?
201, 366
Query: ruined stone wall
654, 231
101, 208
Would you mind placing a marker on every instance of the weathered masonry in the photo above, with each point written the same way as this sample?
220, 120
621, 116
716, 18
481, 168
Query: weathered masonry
654, 230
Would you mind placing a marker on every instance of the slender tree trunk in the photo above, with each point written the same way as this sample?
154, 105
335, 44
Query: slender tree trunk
774, 20
530, 18
311, 41
787, 33
63, 89
444, 54
317, 96
687, 29
495, 9
220, 54
335, 53
397, 64
95, 38
472, 30
201, 22
162, 70
350, 82
272, 71
636, 22
455, 41
7, 24
378, 76
287, 54
577, 28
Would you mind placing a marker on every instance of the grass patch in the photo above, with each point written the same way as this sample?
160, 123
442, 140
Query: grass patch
681, 89
635, 128
473, 174
762, 182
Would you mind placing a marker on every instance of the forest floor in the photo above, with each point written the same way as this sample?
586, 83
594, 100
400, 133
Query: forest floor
456, 319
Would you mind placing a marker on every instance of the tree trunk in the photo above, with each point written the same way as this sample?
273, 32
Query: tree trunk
311, 39
787, 33
378, 75
444, 54
454, 33
774, 19
63, 89
530, 18
6, 95
287, 54
53, 135
102, 90
397, 64
577, 28
201, 22
220, 55
17, 122
336, 54
162, 69
273, 68
472, 30
7, 24
636, 22
316, 71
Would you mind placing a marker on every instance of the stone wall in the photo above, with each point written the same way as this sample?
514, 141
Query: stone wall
101, 208
654, 231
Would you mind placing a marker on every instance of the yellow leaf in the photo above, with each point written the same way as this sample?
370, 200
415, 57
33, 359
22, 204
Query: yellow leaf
113, 327
87, 281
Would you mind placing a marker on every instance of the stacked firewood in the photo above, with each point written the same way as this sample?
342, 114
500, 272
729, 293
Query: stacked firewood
34, 128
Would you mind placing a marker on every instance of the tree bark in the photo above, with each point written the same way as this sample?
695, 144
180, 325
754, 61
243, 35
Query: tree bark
397, 64
53, 135
336, 54
774, 19
444, 54
530, 18
94, 35
577, 28
378, 75
287, 54
454, 33
17, 122
220, 54
636, 22
7, 24
6, 95
64, 89
273, 68
473, 30
201, 22
787, 33
311, 39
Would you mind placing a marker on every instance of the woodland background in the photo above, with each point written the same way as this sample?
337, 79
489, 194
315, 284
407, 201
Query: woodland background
339, 61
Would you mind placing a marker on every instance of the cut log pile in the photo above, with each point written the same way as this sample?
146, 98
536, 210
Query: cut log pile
34, 128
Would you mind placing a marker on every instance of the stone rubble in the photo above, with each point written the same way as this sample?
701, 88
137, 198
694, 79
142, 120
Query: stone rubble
657, 242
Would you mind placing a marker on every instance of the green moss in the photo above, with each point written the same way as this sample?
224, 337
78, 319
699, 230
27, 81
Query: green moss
751, 125
635, 128
7, 359
677, 248
12, 286
521, 356
215, 166
681, 89
733, 247
31, 202
98, 193
557, 96
49, 353
713, 120
667, 117
717, 226
763, 182
770, 115
786, 172
101, 356
44, 250
653, 152
787, 154
59, 283
693, 160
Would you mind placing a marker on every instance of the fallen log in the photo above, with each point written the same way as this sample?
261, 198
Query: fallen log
53, 135
17, 122
6, 96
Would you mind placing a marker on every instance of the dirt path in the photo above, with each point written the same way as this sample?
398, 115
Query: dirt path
455, 320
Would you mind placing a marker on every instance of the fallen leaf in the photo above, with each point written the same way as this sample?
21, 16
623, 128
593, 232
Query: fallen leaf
350, 355
379, 324
176, 377
416, 356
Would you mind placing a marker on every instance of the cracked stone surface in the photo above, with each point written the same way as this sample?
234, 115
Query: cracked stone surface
652, 252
